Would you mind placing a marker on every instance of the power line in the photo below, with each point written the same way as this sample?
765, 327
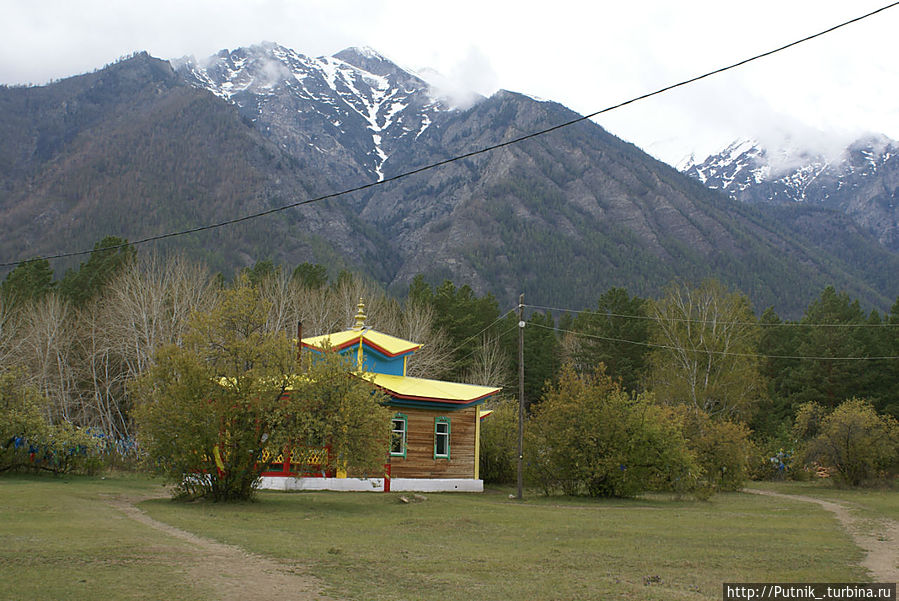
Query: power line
790, 324
461, 156
708, 351
509, 329
473, 336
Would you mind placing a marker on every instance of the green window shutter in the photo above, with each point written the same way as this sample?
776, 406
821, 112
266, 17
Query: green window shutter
441, 438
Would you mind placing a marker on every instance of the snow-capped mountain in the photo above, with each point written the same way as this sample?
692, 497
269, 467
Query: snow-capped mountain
862, 182
355, 102
144, 147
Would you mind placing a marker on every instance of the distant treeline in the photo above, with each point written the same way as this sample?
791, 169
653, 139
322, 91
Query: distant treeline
79, 340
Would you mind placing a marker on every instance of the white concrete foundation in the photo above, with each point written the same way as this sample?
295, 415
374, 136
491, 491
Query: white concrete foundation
436, 485
373, 484
350, 484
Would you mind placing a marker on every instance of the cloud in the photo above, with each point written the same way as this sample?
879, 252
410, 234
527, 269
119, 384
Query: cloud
468, 80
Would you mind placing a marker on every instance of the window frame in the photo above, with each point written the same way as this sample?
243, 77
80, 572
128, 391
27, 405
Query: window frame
437, 422
393, 431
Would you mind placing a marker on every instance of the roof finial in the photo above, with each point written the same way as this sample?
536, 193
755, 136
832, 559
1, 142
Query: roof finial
359, 325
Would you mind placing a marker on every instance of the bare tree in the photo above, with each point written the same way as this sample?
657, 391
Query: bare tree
491, 366
706, 341
146, 306
435, 356
149, 306
10, 338
46, 353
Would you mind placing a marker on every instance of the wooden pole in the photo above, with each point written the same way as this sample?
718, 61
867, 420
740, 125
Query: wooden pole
520, 392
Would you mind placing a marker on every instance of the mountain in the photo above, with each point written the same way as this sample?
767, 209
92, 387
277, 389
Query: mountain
347, 113
145, 146
133, 149
862, 182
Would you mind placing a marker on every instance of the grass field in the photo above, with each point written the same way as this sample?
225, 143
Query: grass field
59, 539
868, 502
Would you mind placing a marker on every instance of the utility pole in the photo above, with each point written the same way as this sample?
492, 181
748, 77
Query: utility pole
520, 392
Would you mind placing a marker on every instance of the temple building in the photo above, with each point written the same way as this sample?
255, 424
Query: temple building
435, 426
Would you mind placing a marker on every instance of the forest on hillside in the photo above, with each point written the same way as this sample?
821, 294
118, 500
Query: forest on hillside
79, 343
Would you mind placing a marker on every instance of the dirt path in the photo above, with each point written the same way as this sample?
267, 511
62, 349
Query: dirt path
881, 547
238, 575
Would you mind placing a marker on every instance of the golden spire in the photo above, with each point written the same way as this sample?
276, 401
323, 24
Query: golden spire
359, 325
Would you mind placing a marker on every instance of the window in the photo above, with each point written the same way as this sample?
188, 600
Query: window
441, 438
398, 435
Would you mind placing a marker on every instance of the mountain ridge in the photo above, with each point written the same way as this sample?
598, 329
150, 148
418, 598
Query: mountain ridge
863, 182
562, 217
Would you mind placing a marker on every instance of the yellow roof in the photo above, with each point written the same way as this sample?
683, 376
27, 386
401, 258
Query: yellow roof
420, 389
386, 344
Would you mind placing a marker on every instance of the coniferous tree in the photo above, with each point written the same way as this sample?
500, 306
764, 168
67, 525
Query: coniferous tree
615, 334
29, 281
311, 275
830, 337
109, 257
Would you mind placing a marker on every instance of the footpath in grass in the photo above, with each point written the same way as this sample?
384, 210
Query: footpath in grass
867, 515
868, 502
455, 546
62, 540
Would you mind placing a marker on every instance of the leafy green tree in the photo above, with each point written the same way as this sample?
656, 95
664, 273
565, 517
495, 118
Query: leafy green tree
260, 271
890, 403
109, 257
705, 357
589, 436
331, 406
542, 353
499, 443
777, 342
20, 421
460, 315
209, 409
29, 443
29, 281
853, 439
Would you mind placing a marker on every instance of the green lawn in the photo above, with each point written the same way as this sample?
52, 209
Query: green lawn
59, 540
370, 546
868, 502
54, 536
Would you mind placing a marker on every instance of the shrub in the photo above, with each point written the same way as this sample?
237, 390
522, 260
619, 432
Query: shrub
723, 450
774, 457
854, 440
499, 443
29, 443
588, 436
209, 409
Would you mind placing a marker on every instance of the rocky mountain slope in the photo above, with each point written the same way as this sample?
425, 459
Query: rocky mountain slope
146, 146
863, 182
351, 109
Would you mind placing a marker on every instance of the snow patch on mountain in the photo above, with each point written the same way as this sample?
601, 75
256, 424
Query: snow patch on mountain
357, 93
861, 181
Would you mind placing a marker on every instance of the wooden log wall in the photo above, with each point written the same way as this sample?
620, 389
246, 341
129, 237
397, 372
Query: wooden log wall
419, 461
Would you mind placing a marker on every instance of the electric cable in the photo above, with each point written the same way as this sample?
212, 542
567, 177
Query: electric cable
473, 336
709, 351
792, 324
457, 157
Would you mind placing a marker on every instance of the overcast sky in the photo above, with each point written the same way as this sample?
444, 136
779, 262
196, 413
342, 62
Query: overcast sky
585, 55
